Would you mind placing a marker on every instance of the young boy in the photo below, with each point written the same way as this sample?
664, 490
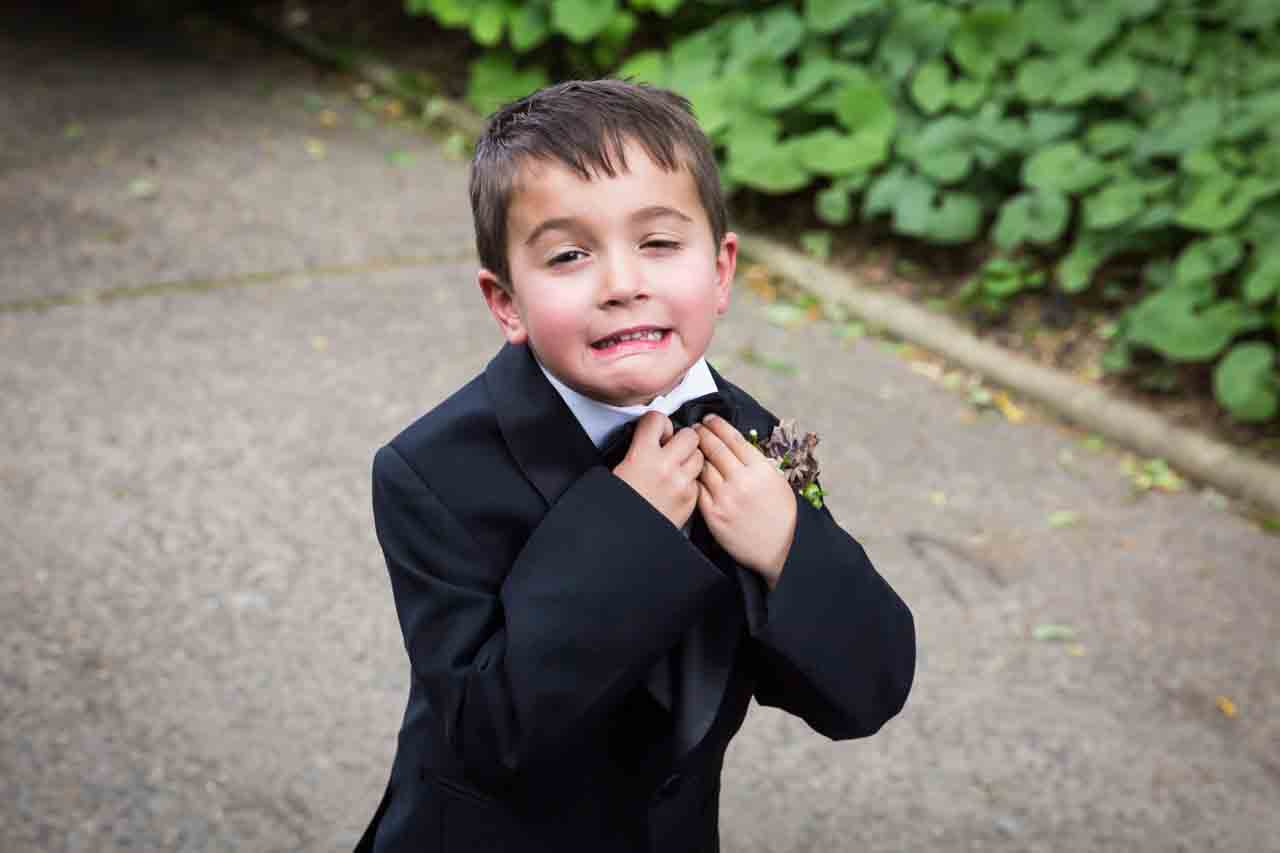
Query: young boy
585, 631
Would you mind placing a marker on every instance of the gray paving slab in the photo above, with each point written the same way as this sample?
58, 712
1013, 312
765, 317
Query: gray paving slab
199, 648
129, 157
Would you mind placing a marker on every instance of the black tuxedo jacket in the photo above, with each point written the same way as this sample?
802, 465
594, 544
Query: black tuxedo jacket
535, 591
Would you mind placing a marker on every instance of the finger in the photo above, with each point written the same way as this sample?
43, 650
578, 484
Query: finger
705, 499
692, 466
712, 479
684, 443
716, 451
653, 428
735, 441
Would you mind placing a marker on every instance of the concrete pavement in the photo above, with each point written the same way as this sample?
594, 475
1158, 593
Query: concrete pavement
199, 650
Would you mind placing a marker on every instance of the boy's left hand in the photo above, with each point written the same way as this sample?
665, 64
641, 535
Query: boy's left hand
746, 501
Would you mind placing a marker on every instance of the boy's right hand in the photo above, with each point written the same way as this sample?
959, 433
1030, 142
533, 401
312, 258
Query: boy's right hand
663, 466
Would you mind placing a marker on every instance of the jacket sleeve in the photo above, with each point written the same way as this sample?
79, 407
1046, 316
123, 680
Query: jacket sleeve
836, 645
521, 671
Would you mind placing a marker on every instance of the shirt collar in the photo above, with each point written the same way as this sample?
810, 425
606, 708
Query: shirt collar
598, 419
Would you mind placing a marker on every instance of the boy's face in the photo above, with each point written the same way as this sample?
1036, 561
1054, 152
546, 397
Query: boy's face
592, 260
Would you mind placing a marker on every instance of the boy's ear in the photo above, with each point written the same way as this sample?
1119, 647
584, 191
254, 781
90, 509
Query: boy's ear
503, 307
726, 266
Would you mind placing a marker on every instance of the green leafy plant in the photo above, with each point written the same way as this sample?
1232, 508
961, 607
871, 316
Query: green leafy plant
998, 282
1102, 136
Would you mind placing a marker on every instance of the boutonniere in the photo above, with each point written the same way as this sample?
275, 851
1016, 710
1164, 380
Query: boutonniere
793, 454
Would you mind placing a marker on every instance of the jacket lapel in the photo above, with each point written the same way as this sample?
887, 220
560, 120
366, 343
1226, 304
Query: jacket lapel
543, 436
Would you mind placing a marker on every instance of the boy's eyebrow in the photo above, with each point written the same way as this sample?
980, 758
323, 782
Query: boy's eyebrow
567, 223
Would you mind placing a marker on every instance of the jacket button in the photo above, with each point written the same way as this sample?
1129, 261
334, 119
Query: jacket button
671, 785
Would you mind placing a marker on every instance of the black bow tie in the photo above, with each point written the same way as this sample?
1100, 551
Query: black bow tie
689, 413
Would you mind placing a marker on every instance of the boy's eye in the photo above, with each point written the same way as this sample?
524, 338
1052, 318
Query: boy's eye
566, 257
661, 244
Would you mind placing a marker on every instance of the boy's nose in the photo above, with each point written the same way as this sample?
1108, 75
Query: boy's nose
623, 281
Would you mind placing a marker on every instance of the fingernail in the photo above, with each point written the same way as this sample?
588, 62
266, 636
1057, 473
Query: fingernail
707, 418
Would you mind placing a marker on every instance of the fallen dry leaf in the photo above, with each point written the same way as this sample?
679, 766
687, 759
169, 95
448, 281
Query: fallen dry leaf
1012, 413
1053, 633
1227, 707
1063, 518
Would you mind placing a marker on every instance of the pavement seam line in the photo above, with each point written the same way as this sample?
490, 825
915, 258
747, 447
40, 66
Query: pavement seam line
198, 285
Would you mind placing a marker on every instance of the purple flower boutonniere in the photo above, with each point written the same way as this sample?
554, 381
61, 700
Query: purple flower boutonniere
793, 454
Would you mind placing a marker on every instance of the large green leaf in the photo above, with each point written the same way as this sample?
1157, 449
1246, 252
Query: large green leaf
1205, 260
773, 168
1115, 204
943, 217
833, 205
775, 89
774, 34
649, 66
1222, 201
694, 62
829, 16
488, 22
986, 37
1005, 134
1064, 167
450, 13
1112, 137
829, 152
753, 135
967, 92
1037, 79
1034, 217
1172, 322
530, 26
1166, 38
582, 20
1245, 382
865, 111
1191, 125
1046, 126
1092, 248
1262, 280
885, 190
495, 80
942, 150
931, 86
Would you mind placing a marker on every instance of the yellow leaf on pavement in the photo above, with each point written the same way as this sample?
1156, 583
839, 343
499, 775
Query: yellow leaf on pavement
1227, 707
315, 148
1008, 408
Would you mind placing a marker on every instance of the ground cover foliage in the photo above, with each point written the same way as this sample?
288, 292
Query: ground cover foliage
1129, 148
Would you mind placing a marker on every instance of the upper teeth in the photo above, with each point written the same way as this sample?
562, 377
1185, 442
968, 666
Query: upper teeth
651, 335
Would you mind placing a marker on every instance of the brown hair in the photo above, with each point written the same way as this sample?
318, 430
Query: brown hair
584, 125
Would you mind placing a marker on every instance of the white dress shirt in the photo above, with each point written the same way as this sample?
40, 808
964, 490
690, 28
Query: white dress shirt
599, 420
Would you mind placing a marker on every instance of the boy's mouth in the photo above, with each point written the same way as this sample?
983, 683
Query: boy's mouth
641, 337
